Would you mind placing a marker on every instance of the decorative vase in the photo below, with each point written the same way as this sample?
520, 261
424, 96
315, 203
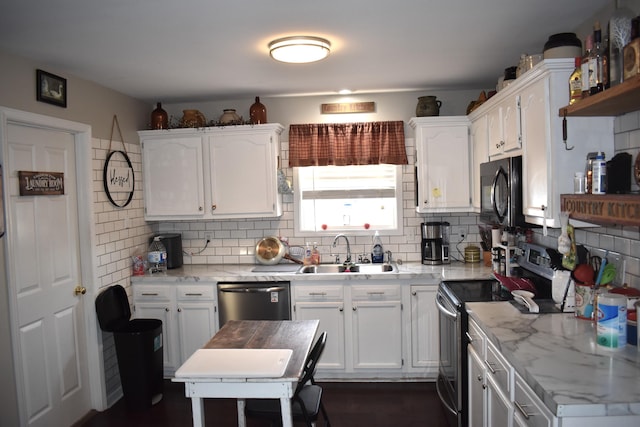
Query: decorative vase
229, 116
192, 119
258, 112
428, 106
159, 118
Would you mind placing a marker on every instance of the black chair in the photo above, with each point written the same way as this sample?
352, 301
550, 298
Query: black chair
306, 402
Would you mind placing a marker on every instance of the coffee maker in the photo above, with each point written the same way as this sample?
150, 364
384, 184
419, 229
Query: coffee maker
435, 243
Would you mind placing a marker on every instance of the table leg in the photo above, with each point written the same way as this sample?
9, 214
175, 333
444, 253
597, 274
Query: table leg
285, 409
198, 412
242, 421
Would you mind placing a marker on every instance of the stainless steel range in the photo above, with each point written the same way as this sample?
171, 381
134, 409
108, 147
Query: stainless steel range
537, 264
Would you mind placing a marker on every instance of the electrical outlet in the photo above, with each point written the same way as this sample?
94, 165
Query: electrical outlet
208, 236
459, 231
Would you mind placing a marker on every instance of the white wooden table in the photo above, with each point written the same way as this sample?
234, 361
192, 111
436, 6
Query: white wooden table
247, 334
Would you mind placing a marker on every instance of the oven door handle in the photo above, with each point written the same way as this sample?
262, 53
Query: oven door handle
443, 309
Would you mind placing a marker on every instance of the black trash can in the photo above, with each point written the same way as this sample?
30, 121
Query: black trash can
138, 348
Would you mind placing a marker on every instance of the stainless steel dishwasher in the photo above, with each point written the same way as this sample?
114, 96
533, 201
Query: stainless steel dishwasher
254, 301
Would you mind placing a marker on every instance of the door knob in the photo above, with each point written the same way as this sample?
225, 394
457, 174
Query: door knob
80, 290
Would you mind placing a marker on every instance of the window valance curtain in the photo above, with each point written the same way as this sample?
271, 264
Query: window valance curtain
342, 144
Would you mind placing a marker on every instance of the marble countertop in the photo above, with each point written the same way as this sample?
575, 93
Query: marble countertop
558, 357
243, 272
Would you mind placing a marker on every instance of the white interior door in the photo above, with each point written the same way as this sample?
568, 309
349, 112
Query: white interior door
43, 263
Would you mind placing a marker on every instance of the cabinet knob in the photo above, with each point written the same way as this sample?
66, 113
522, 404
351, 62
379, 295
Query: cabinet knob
341, 309
414, 293
166, 309
214, 207
354, 308
200, 208
179, 310
480, 378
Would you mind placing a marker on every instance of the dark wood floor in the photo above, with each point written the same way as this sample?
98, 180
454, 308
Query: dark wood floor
348, 405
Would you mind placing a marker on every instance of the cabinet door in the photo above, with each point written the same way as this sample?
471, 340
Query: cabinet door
173, 177
164, 312
443, 169
535, 132
511, 124
424, 328
494, 130
499, 410
480, 154
331, 317
377, 334
244, 174
196, 326
477, 389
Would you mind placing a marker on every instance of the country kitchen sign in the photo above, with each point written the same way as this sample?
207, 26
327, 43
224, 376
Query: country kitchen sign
41, 183
609, 209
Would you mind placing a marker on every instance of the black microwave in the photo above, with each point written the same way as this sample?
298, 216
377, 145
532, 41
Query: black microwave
501, 192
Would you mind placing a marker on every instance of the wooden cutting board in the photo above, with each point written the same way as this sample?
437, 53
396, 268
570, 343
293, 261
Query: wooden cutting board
235, 363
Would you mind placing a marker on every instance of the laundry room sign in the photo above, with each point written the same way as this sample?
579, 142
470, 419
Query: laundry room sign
41, 183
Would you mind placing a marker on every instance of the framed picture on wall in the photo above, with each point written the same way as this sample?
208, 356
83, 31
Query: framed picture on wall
51, 89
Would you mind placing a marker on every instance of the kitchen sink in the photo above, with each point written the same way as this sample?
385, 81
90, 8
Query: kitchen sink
341, 268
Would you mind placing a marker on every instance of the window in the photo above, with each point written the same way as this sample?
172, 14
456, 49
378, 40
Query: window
348, 198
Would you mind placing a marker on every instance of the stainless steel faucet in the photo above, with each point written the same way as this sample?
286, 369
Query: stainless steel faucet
335, 242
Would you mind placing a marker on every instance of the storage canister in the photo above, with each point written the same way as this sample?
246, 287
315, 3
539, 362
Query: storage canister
611, 321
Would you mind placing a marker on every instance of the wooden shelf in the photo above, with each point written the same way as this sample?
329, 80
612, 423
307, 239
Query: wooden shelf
620, 99
606, 209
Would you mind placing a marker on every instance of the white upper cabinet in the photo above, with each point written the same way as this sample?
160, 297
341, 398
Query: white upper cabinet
173, 177
244, 173
505, 137
211, 173
527, 114
479, 154
442, 164
548, 166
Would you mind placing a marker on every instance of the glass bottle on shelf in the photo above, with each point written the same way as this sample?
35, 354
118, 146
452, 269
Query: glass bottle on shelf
588, 43
596, 62
575, 82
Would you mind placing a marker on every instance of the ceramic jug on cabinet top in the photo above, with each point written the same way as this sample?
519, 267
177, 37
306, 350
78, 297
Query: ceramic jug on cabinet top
428, 106
192, 119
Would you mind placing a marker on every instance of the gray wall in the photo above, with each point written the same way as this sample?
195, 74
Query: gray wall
95, 105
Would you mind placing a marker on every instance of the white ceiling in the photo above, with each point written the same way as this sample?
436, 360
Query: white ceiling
198, 50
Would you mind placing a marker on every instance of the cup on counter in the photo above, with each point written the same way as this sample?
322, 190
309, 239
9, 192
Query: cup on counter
584, 301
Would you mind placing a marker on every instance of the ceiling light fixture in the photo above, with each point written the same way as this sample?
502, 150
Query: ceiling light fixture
299, 49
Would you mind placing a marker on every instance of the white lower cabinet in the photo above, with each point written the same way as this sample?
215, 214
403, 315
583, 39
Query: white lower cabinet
376, 326
424, 328
188, 314
490, 383
363, 325
477, 390
326, 304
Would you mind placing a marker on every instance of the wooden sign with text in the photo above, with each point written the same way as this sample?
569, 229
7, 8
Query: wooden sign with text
609, 209
353, 107
41, 183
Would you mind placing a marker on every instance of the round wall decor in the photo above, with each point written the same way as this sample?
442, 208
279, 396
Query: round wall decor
118, 179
